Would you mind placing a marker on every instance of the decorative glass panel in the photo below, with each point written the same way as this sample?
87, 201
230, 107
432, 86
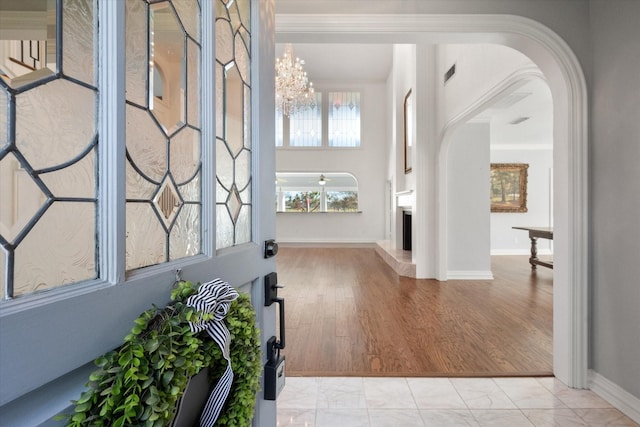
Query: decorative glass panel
233, 123
163, 146
48, 140
78, 39
136, 54
167, 67
4, 117
71, 228
28, 52
305, 127
163, 137
344, 119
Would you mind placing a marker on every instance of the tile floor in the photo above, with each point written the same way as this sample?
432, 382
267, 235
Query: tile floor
441, 402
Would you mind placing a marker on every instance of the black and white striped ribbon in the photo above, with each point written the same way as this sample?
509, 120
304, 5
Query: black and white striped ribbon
215, 297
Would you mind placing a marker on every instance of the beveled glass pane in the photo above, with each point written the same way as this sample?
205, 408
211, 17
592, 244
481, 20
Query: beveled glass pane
167, 202
185, 235
234, 15
244, 6
193, 83
243, 225
4, 117
78, 39
224, 227
224, 42
146, 143
77, 180
242, 59
55, 122
21, 197
137, 186
246, 124
190, 191
146, 239
29, 41
185, 154
219, 101
233, 107
167, 79
60, 249
243, 169
189, 13
224, 166
136, 53
221, 193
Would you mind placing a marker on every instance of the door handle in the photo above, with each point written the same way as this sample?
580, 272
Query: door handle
270, 296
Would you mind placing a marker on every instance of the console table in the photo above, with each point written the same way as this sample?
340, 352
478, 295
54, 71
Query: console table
534, 234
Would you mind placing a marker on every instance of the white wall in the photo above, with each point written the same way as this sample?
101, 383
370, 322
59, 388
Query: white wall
468, 201
504, 239
367, 164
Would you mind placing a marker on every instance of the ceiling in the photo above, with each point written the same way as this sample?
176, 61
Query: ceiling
372, 63
351, 62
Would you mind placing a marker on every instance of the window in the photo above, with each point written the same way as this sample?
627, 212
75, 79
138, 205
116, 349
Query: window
332, 121
316, 192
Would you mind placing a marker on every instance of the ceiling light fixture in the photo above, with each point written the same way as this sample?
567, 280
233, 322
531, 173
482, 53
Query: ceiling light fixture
322, 180
293, 91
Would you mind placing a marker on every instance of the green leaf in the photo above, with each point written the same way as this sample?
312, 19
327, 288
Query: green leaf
151, 345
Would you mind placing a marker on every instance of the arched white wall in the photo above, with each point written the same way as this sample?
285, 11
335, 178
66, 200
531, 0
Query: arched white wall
568, 87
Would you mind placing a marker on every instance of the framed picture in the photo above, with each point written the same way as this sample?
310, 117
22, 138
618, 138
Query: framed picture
509, 187
408, 133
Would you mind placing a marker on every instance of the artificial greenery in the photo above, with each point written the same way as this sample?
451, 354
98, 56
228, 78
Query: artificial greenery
141, 382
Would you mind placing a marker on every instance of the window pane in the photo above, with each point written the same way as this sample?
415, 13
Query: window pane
48, 186
163, 139
233, 123
344, 119
305, 127
279, 130
342, 201
303, 201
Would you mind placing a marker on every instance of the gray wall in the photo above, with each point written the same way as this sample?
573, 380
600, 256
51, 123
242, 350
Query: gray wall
615, 191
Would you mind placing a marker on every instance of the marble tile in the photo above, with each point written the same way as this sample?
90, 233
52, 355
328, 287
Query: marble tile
395, 418
448, 418
574, 398
554, 418
299, 393
501, 418
482, 393
342, 418
341, 392
296, 418
528, 393
435, 393
392, 393
552, 384
605, 418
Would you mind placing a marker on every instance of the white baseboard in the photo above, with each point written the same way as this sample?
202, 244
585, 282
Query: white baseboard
469, 275
621, 399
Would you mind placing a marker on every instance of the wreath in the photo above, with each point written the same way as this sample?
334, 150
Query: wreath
141, 382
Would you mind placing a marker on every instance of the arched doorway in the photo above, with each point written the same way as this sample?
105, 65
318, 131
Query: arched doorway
567, 83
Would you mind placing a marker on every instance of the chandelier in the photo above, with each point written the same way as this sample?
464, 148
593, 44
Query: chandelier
294, 93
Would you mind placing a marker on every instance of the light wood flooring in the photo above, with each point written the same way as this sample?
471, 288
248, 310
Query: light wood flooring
349, 314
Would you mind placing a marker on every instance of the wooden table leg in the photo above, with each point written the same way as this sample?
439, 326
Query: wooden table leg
534, 252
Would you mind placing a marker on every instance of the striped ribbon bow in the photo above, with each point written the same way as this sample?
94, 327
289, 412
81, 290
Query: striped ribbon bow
215, 297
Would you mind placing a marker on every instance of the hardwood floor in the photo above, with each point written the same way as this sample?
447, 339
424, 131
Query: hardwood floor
349, 314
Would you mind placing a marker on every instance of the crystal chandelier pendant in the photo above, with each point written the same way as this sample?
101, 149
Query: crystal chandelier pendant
294, 93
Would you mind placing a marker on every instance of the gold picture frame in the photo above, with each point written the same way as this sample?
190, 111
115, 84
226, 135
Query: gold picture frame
508, 190
408, 133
